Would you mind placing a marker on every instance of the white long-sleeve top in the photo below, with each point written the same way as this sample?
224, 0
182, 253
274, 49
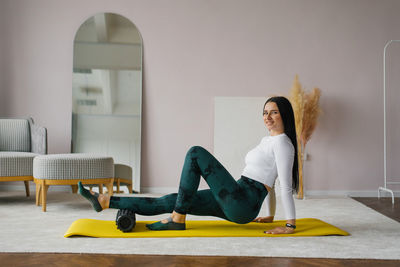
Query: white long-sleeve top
271, 159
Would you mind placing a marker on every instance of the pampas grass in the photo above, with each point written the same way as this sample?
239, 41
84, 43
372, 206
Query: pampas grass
311, 113
306, 112
297, 100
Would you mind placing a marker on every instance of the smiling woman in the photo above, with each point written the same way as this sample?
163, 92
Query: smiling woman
106, 92
234, 200
272, 119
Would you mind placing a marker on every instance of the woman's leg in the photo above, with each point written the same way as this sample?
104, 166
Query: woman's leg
199, 162
204, 204
235, 201
239, 201
145, 205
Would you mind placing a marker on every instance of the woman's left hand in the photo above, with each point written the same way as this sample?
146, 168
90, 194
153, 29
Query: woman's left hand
280, 230
268, 219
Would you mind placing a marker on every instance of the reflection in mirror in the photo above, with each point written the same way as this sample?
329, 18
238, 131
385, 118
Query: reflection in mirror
107, 91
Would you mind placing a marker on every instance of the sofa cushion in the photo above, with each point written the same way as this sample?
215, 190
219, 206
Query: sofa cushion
15, 135
16, 164
73, 166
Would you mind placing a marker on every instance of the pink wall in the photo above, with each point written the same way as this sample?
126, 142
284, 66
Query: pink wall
2, 60
196, 50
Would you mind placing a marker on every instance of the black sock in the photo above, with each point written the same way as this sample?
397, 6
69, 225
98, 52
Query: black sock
92, 198
170, 225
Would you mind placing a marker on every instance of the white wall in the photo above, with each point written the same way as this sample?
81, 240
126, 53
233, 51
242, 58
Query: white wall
2, 60
196, 50
393, 110
231, 140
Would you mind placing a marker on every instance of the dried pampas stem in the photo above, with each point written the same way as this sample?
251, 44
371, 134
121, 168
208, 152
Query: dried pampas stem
310, 115
297, 99
306, 112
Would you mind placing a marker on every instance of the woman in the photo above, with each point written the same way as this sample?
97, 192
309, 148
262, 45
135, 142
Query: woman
236, 201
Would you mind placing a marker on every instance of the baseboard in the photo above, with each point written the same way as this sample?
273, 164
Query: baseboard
168, 190
32, 188
344, 193
314, 193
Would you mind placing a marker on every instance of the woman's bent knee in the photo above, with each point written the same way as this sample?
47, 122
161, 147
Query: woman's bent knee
196, 150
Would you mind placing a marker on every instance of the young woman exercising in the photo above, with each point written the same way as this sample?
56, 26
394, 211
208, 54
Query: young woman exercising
236, 201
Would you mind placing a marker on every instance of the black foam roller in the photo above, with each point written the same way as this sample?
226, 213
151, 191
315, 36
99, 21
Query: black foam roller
126, 220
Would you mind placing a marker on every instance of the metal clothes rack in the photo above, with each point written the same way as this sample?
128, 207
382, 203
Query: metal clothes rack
386, 183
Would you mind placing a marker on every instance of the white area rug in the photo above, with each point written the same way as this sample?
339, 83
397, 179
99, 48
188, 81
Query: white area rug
25, 228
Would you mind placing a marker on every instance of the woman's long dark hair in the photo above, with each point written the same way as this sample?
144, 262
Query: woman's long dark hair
287, 115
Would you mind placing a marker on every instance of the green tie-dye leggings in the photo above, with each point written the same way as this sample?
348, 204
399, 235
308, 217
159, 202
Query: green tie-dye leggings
237, 201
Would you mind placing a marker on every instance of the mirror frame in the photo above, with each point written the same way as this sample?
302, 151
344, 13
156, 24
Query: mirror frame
136, 170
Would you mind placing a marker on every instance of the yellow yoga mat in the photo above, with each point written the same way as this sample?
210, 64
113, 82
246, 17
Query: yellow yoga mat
98, 228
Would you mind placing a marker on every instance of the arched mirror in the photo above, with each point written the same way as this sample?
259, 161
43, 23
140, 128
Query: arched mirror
107, 93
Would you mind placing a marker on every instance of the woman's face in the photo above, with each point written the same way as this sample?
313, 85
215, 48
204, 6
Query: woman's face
273, 119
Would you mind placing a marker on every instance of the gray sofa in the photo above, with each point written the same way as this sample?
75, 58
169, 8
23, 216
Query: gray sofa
20, 141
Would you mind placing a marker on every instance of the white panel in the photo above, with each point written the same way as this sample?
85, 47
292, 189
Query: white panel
134, 159
238, 128
115, 136
96, 146
119, 149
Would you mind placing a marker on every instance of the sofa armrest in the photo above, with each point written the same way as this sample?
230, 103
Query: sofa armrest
38, 139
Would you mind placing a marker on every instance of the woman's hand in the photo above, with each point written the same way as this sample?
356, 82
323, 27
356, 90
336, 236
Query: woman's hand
268, 219
280, 230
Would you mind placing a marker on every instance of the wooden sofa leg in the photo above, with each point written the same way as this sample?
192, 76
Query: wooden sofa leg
44, 188
130, 189
27, 188
38, 194
118, 185
74, 188
110, 187
101, 188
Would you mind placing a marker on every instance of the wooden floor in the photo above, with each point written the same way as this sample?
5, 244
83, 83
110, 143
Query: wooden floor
70, 260
383, 205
